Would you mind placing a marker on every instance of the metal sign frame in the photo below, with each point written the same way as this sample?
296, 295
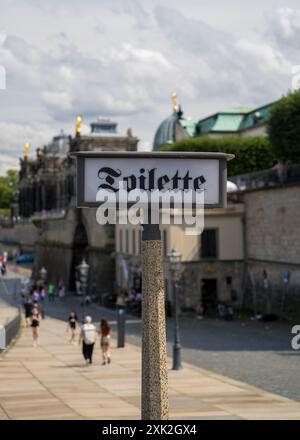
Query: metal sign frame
164, 155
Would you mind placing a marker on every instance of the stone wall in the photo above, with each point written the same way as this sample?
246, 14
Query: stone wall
58, 251
56, 258
21, 236
273, 245
275, 296
273, 224
194, 272
108, 143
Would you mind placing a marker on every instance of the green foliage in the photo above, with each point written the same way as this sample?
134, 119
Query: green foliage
251, 153
5, 195
5, 213
8, 184
284, 128
11, 179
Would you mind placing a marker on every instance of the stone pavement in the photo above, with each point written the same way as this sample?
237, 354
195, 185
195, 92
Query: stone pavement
52, 382
249, 351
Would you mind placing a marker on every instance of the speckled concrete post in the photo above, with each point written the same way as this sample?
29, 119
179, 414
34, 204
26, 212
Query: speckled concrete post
155, 402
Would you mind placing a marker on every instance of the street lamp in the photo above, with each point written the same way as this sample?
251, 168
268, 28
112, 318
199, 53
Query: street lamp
174, 258
83, 272
43, 274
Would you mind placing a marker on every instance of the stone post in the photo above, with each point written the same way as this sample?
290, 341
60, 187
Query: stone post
155, 403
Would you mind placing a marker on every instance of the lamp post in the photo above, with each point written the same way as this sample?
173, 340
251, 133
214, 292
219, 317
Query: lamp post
83, 271
174, 258
43, 274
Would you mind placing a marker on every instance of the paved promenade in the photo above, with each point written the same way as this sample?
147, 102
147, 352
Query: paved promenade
51, 382
249, 351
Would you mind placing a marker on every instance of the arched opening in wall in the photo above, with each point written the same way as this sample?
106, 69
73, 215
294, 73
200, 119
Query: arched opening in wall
80, 251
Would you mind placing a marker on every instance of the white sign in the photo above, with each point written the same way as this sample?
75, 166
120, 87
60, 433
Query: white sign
161, 171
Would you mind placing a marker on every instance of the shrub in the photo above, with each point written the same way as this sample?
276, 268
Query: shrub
251, 153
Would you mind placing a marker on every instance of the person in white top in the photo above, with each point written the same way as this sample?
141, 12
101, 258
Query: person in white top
88, 337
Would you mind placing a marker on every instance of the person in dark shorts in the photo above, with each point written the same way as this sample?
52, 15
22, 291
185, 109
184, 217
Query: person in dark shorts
72, 325
28, 311
35, 325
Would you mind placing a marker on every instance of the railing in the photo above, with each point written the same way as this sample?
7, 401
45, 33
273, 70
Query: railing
9, 223
11, 329
51, 214
278, 176
37, 216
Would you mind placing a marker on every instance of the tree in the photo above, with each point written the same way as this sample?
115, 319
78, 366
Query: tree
5, 195
284, 128
12, 179
8, 184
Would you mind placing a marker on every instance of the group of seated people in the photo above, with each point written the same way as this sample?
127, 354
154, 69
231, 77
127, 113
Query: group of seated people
131, 301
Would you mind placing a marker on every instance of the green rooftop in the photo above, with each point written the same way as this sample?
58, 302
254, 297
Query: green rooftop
235, 119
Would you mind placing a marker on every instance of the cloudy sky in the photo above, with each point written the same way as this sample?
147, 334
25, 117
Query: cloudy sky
123, 59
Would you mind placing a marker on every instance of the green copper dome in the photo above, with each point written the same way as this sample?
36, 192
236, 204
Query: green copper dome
165, 134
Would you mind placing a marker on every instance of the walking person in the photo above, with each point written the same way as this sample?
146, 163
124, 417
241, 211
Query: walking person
72, 325
28, 306
88, 337
35, 295
35, 325
121, 301
3, 268
105, 332
51, 291
61, 289
42, 301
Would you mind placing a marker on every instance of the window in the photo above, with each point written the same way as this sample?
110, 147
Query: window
228, 281
209, 243
127, 242
133, 242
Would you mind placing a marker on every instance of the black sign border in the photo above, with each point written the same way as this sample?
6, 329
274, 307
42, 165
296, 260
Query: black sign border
82, 155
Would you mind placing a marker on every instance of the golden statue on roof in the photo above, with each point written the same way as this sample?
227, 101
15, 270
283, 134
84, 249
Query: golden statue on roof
26, 150
78, 124
176, 105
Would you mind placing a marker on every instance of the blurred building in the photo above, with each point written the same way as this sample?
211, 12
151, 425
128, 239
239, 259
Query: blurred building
272, 240
62, 234
237, 121
47, 183
212, 263
268, 231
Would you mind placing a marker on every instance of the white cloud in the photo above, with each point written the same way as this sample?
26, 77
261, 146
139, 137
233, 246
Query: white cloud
13, 138
284, 24
124, 58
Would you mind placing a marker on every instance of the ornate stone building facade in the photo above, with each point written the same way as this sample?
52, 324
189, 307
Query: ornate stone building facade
47, 199
47, 183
